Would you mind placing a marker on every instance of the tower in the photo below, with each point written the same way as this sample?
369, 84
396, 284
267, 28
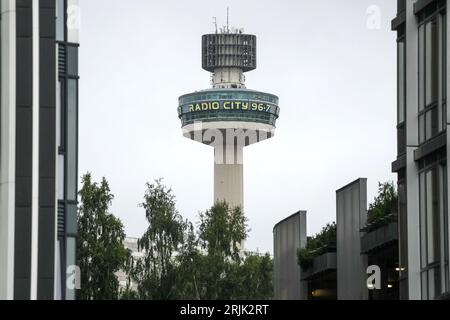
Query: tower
228, 116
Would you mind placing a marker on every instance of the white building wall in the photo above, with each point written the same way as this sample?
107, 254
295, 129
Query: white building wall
448, 131
412, 137
73, 21
7, 147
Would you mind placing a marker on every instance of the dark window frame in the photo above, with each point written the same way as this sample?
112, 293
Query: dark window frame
439, 15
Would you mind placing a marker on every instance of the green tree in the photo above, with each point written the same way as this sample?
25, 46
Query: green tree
222, 231
322, 242
183, 262
189, 266
128, 293
384, 206
100, 250
254, 278
156, 273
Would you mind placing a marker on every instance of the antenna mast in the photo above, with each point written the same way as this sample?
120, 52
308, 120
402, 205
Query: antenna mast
215, 23
228, 19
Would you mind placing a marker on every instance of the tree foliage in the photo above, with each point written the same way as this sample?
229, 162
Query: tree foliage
180, 261
221, 233
100, 250
385, 205
207, 263
156, 273
319, 244
254, 278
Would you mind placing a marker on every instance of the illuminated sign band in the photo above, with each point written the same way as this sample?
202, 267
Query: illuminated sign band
228, 105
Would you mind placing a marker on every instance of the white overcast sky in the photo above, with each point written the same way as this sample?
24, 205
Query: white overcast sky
336, 79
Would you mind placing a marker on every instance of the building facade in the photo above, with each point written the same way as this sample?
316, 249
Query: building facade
421, 164
38, 148
337, 269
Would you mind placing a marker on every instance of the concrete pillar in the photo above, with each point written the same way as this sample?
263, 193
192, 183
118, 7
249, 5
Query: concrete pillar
412, 176
351, 217
7, 147
229, 177
447, 89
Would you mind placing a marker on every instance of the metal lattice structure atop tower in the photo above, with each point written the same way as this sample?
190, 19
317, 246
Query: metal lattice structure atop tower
229, 50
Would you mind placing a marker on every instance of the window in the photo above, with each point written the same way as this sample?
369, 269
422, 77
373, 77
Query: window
71, 219
432, 213
61, 108
431, 62
71, 151
403, 224
432, 106
401, 81
444, 236
70, 262
58, 112
72, 60
60, 20
61, 177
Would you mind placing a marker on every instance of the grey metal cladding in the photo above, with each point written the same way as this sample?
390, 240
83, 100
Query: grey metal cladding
24, 82
47, 198
47, 22
47, 144
24, 21
289, 236
22, 256
47, 77
351, 212
22, 289
46, 262
24, 66
24, 144
47, 148
45, 289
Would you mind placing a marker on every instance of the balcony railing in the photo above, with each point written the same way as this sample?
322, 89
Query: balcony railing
322, 264
379, 237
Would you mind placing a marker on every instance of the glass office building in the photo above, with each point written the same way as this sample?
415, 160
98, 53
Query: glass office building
38, 149
421, 164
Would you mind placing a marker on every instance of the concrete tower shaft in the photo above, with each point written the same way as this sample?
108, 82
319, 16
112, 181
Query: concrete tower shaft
229, 178
228, 78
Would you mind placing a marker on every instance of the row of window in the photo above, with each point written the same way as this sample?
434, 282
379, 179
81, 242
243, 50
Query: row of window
228, 95
227, 116
231, 59
67, 108
431, 117
432, 79
67, 135
432, 113
229, 39
231, 50
434, 231
242, 113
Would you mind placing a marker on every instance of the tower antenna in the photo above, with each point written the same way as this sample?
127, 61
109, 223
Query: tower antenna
228, 19
215, 23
